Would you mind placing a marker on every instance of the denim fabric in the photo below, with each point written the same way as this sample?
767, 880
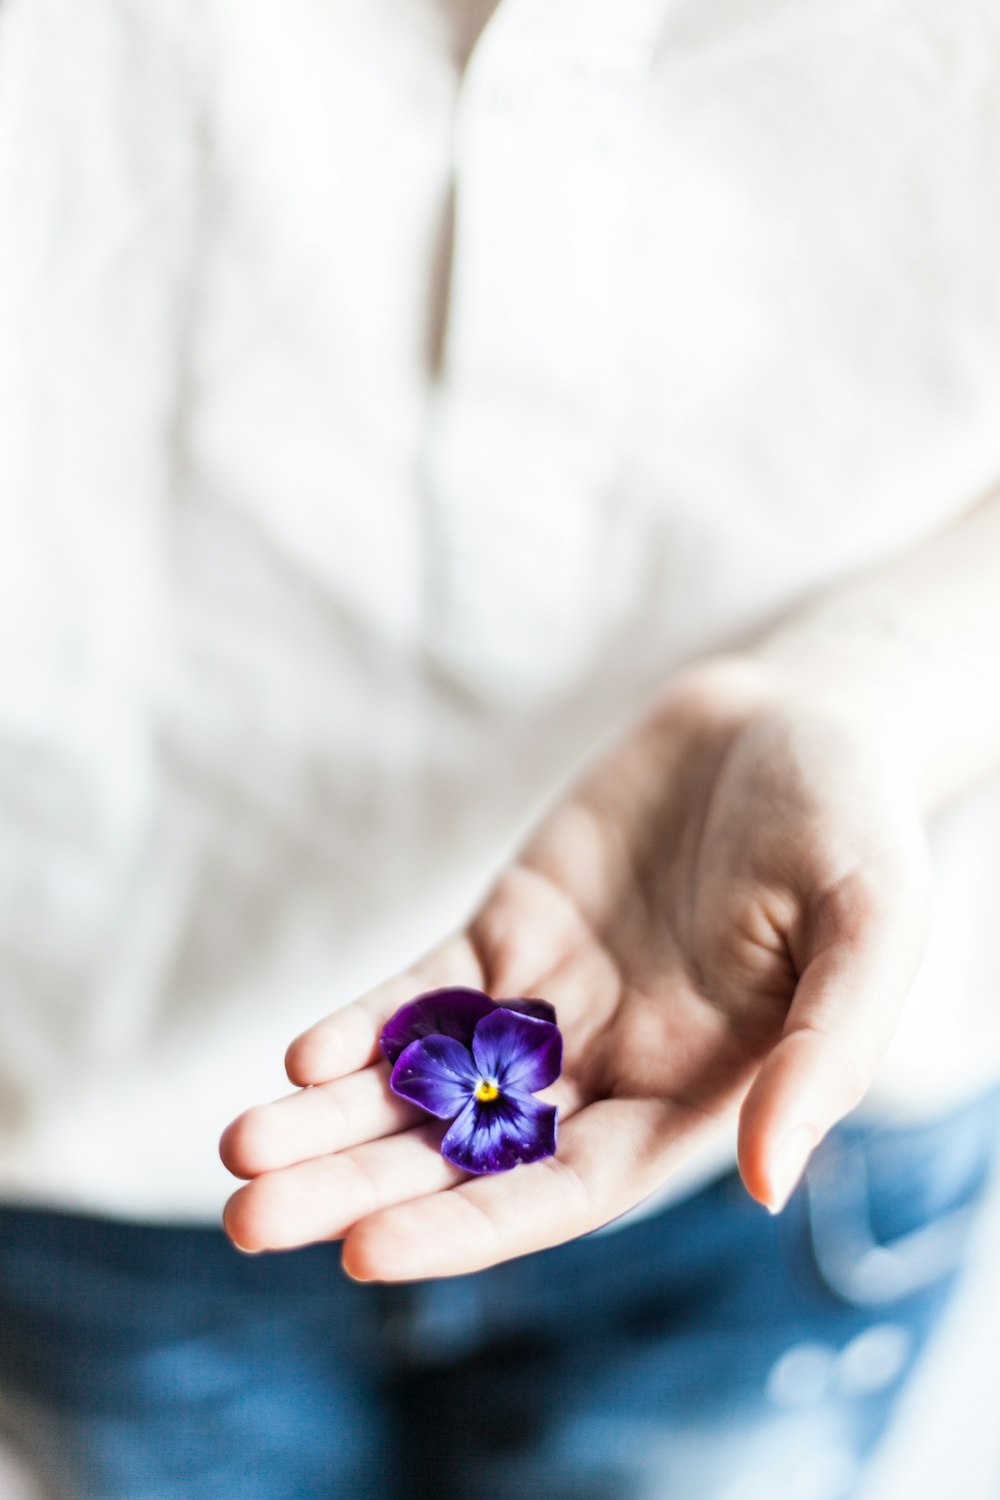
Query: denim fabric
707, 1353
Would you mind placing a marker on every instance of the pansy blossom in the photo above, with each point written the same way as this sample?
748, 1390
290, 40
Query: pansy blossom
479, 1063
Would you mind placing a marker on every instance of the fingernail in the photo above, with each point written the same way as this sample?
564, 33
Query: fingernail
243, 1249
787, 1165
361, 1275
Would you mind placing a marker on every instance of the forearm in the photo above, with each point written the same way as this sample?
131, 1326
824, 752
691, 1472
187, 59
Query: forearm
911, 650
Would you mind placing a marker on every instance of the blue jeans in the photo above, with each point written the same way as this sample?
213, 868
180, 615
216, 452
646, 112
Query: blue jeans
709, 1352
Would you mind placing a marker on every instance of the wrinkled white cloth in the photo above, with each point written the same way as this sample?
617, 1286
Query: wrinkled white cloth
392, 394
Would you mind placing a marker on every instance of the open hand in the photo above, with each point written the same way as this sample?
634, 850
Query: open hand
727, 913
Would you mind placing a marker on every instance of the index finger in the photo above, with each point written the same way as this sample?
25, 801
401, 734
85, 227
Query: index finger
348, 1039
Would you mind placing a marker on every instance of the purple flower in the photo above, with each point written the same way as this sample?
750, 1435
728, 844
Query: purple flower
479, 1063
450, 1012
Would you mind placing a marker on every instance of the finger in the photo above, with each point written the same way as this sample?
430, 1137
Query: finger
489, 1219
840, 1022
319, 1199
526, 933
348, 1039
316, 1121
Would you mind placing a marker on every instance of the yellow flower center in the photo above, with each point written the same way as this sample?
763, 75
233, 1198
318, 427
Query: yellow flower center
486, 1090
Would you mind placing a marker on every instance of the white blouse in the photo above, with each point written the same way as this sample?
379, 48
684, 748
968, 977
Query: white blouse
393, 393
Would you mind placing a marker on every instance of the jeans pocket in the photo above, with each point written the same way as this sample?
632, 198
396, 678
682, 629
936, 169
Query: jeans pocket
890, 1209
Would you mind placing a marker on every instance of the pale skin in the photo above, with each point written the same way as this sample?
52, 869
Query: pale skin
728, 913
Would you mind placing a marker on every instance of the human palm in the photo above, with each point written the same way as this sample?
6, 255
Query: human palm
729, 908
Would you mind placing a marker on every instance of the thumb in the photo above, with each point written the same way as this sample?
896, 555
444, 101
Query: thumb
843, 1013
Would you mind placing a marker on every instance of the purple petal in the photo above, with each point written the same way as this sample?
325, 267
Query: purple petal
519, 1052
504, 1133
447, 1012
540, 1009
437, 1073
450, 1012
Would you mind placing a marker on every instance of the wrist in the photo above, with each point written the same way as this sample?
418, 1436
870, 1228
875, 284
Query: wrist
850, 659
848, 683
909, 652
